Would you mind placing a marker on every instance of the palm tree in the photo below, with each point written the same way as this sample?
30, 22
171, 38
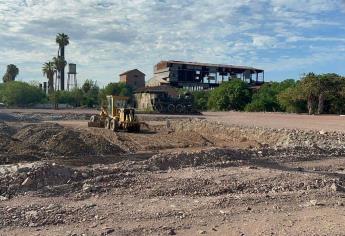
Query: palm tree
11, 73
63, 40
59, 64
48, 70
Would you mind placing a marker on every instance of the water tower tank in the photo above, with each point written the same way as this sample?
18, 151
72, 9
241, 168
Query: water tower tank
72, 68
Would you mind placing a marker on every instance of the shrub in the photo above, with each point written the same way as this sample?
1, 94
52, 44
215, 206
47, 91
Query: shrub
230, 95
17, 93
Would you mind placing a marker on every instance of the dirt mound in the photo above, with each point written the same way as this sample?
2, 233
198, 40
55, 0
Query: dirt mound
8, 117
5, 135
259, 137
57, 140
15, 117
176, 160
13, 150
26, 177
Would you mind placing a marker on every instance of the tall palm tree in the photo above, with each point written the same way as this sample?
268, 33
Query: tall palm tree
48, 70
60, 64
63, 40
11, 73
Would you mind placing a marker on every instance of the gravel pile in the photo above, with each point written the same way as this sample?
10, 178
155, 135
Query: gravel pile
33, 176
5, 135
274, 138
216, 156
57, 140
17, 117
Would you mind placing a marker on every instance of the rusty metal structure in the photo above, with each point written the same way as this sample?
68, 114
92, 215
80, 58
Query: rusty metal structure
200, 76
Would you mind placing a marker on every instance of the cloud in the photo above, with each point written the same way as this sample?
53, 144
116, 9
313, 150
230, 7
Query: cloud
108, 36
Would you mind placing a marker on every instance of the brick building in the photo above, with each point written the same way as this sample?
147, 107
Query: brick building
134, 78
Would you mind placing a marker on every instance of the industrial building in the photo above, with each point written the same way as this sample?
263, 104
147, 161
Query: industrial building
134, 78
200, 76
144, 97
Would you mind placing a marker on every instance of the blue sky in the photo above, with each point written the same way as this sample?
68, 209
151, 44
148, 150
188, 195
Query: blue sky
286, 38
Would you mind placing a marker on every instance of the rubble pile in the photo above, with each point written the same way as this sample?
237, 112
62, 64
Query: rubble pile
5, 135
183, 159
33, 176
37, 117
54, 139
266, 137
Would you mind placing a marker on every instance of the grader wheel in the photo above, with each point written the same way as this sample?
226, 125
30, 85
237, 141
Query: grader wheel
114, 125
107, 123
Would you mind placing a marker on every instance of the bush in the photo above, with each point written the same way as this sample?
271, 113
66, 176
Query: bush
292, 101
266, 98
200, 100
119, 89
85, 96
17, 93
230, 95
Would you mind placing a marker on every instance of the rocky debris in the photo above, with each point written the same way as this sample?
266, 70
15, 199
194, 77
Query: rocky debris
5, 135
265, 137
53, 139
171, 232
175, 160
107, 231
36, 117
41, 215
35, 176
9, 117
88, 188
337, 188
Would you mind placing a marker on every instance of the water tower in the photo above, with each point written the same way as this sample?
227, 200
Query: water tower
72, 76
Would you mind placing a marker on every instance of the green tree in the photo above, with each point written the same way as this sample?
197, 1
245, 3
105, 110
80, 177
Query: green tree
78, 96
330, 86
91, 93
310, 88
120, 89
11, 73
54, 98
48, 70
88, 84
17, 93
231, 95
292, 99
266, 98
60, 63
200, 99
62, 40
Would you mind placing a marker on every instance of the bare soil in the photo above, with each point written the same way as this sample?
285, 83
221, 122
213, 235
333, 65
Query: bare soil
179, 176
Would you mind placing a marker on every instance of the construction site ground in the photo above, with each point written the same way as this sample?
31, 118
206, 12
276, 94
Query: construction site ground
224, 173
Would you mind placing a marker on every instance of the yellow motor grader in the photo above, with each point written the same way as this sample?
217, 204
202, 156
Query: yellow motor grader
116, 116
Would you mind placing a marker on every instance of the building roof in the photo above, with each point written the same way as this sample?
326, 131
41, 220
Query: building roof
158, 89
129, 71
212, 65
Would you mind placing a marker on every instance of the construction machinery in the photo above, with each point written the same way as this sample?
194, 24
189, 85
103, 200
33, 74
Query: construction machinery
116, 116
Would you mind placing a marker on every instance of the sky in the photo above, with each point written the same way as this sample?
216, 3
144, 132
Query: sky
286, 38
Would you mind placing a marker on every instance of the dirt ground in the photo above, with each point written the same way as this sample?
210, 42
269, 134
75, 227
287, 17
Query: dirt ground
250, 174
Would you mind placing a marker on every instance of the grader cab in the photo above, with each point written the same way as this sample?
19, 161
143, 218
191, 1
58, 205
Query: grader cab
116, 116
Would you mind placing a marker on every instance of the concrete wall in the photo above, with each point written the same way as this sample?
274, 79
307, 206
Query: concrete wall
143, 101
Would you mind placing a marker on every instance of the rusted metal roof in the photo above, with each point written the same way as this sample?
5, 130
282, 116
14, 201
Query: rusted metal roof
164, 64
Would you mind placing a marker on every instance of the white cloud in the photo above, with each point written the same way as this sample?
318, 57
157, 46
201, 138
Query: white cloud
110, 36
